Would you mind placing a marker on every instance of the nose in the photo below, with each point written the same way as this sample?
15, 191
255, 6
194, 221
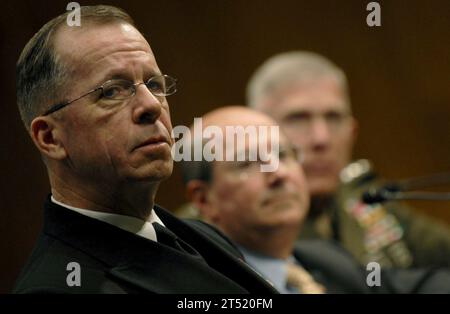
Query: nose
278, 177
320, 134
146, 107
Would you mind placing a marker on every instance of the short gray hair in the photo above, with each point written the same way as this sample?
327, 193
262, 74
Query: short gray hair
284, 68
41, 73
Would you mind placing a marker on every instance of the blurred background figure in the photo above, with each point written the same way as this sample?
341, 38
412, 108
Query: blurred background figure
308, 96
263, 213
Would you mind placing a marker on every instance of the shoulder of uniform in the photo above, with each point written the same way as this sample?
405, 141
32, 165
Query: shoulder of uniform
357, 171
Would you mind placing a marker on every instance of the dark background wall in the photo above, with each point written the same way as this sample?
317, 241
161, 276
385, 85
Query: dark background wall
399, 78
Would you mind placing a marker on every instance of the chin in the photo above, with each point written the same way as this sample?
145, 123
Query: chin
287, 214
164, 172
322, 187
287, 222
158, 170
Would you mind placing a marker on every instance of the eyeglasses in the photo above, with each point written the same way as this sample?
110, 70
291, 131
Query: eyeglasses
158, 85
288, 155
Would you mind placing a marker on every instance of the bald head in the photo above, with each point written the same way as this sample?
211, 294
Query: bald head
241, 132
259, 208
228, 134
236, 116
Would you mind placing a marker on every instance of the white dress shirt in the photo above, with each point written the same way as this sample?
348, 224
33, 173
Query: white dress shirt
134, 225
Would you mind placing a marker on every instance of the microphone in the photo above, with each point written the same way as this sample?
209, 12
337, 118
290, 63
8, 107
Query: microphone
381, 195
400, 191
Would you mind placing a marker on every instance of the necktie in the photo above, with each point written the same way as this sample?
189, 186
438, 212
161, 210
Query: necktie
167, 237
299, 278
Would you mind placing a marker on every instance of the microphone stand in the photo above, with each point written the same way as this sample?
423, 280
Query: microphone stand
402, 190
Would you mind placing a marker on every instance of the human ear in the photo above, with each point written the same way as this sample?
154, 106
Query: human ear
198, 192
45, 134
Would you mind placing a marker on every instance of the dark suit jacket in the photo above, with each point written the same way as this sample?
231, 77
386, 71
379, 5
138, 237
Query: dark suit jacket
339, 272
116, 261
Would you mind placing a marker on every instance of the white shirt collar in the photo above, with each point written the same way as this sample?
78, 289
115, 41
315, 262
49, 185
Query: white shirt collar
134, 225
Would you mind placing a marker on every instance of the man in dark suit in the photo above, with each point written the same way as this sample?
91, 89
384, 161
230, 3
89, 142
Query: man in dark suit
262, 212
93, 100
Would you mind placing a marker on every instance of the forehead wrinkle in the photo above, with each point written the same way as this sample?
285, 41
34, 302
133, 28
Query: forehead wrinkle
99, 51
119, 66
100, 36
105, 42
93, 60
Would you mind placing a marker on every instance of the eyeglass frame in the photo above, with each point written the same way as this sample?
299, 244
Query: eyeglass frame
295, 154
60, 106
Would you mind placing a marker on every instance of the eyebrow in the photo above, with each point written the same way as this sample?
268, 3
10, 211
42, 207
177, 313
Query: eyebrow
297, 112
122, 74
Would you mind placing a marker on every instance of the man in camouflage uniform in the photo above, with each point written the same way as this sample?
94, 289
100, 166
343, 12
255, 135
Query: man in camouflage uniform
308, 96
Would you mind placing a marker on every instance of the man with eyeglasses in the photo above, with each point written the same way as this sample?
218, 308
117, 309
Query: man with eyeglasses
308, 96
263, 212
93, 100
259, 211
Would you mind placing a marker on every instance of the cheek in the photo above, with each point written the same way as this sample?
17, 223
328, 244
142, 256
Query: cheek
99, 142
110, 142
239, 198
165, 118
298, 177
298, 139
114, 136
343, 147
302, 187
81, 139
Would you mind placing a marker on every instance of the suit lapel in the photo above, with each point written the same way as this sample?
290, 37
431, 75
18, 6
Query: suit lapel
216, 256
169, 272
330, 266
146, 264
